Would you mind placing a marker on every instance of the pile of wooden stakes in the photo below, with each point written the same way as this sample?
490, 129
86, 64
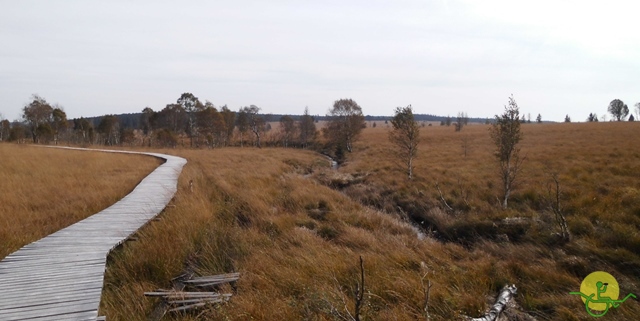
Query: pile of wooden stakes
178, 300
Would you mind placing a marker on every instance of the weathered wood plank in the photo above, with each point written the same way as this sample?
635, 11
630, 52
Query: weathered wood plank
60, 277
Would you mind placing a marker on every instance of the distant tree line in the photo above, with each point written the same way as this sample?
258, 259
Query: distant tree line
190, 122
187, 122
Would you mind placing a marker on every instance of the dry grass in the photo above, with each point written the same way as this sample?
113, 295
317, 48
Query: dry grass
43, 190
271, 215
275, 216
295, 242
599, 169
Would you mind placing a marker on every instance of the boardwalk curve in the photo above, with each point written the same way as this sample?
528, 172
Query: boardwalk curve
60, 277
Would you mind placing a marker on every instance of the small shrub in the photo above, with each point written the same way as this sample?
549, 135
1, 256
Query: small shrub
328, 232
308, 224
318, 211
581, 226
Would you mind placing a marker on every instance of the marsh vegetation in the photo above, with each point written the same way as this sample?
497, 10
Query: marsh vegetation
294, 228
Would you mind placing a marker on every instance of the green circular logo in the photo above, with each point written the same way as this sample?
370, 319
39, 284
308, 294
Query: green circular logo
599, 292
601, 283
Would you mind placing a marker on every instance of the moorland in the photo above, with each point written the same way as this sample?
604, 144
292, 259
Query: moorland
295, 228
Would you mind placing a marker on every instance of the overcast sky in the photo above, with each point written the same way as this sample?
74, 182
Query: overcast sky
99, 57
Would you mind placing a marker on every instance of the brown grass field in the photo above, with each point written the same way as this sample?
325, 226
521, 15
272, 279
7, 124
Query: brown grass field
43, 189
294, 228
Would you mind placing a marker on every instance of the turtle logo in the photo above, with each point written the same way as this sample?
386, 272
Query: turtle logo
599, 292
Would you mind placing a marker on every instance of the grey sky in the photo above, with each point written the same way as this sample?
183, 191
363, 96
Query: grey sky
99, 57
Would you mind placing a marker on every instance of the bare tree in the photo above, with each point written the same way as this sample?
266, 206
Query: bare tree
461, 120
405, 135
506, 135
345, 124
554, 196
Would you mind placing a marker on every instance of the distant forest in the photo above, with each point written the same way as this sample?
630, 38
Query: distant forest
132, 120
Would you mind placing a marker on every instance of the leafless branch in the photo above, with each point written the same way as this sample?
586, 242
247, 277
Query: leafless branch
442, 198
359, 292
555, 195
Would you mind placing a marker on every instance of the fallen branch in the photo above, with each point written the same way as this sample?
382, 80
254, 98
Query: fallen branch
505, 296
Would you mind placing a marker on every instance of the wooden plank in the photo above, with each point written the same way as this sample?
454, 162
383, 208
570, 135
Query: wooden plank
179, 294
52, 297
60, 306
219, 277
89, 315
60, 277
187, 307
212, 300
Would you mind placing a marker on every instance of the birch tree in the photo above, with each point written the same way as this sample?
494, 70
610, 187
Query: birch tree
190, 104
345, 124
506, 134
255, 123
405, 135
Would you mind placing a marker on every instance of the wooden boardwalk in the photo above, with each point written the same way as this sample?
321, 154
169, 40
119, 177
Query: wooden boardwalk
60, 277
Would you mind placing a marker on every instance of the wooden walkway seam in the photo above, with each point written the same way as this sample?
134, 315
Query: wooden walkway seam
60, 276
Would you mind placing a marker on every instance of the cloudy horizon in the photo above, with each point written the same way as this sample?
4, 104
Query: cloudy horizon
442, 57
